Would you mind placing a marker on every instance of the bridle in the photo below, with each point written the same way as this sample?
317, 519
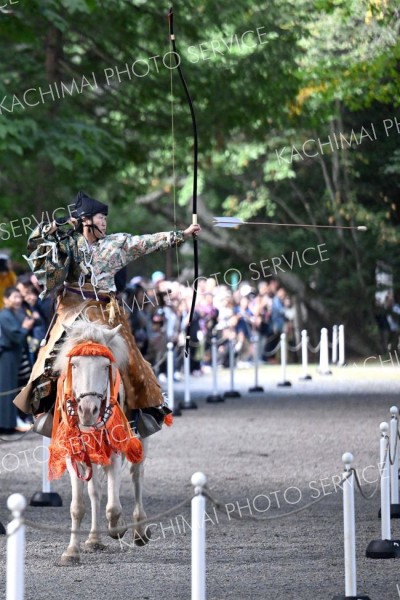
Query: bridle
105, 412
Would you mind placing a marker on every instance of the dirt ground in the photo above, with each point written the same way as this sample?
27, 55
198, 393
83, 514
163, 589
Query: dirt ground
268, 454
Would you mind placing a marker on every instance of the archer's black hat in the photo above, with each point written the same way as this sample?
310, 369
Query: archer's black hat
87, 207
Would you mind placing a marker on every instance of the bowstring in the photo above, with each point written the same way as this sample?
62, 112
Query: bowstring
173, 154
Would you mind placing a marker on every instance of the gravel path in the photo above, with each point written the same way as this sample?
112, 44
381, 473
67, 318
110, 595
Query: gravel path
273, 452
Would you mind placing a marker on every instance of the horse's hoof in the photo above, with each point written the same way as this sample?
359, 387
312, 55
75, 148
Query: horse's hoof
70, 560
141, 540
94, 546
117, 531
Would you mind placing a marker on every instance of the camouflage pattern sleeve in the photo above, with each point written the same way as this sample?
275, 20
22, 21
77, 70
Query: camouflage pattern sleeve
134, 246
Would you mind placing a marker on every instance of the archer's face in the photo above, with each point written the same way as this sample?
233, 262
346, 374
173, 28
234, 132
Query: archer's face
100, 220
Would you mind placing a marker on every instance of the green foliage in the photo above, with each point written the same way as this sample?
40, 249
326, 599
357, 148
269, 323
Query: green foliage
309, 69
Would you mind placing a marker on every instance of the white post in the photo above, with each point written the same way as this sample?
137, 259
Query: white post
334, 344
256, 358
186, 374
198, 538
45, 497
232, 393
283, 356
16, 548
349, 529
214, 363
214, 396
256, 346
283, 382
304, 354
232, 363
187, 402
46, 485
341, 346
394, 468
170, 376
385, 482
324, 353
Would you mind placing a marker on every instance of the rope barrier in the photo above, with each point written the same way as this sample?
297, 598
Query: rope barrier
295, 348
160, 362
217, 503
314, 350
11, 391
14, 438
274, 351
114, 530
358, 482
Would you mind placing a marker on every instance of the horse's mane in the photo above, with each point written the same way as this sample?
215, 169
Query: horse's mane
82, 330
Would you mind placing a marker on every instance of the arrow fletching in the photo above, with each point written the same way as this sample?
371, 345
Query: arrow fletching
227, 221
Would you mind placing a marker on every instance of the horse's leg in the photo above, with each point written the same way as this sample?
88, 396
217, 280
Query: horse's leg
141, 533
94, 488
114, 508
71, 555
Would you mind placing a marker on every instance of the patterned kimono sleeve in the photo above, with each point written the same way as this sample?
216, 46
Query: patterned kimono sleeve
136, 246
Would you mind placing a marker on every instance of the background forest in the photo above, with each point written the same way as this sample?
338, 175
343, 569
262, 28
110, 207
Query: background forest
297, 103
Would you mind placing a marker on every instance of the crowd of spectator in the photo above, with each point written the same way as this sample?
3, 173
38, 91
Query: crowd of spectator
159, 309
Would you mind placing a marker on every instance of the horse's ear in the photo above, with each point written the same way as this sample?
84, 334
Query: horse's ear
110, 335
67, 328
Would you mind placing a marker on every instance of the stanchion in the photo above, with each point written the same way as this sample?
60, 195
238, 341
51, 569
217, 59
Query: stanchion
46, 497
284, 382
232, 393
187, 402
176, 411
341, 346
16, 548
323, 368
215, 396
349, 527
304, 356
394, 466
256, 344
386, 547
334, 344
198, 538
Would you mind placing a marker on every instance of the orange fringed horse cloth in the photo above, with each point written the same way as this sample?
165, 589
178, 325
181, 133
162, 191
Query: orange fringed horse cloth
98, 443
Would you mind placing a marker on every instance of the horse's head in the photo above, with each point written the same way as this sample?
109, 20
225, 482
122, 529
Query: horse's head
90, 384
90, 370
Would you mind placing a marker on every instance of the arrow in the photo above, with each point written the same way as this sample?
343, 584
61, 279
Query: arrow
235, 222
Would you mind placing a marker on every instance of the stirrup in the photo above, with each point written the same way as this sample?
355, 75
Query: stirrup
43, 424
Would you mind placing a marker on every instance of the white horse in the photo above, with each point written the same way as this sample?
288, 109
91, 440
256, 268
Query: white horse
90, 387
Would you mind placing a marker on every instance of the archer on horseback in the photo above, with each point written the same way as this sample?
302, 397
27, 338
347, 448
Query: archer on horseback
83, 261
